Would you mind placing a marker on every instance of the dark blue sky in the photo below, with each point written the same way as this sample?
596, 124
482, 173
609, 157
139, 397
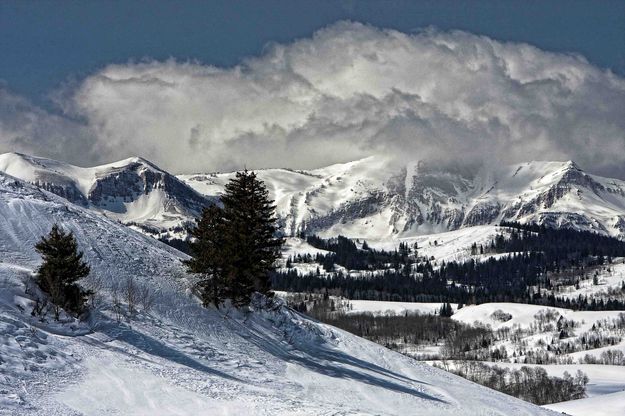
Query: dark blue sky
43, 44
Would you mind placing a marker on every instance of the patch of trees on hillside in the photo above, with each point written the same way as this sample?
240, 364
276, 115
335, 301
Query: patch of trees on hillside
530, 273
531, 384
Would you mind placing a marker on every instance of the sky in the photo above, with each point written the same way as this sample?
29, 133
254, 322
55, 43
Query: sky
205, 86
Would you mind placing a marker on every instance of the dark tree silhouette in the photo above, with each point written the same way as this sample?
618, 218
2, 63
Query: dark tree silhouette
61, 269
235, 246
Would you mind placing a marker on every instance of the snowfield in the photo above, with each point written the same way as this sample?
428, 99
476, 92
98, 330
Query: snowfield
183, 359
608, 405
523, 315
606, 387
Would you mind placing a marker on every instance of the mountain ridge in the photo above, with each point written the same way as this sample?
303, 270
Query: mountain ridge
367, 199
134, 190
372, 198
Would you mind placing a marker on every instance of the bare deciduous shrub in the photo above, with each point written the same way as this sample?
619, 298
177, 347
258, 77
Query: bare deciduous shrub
131, 295
117, 302
95, 285
146, 298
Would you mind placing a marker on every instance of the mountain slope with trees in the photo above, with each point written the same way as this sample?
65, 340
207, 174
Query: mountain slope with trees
522, 263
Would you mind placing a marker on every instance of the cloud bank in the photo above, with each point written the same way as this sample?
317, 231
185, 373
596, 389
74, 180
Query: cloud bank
27, 128
349, 91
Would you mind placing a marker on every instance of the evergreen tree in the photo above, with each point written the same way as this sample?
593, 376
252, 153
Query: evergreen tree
235, 246
208, 257
61, 269
446, 310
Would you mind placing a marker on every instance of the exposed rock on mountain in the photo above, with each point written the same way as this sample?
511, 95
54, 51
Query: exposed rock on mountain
133, 191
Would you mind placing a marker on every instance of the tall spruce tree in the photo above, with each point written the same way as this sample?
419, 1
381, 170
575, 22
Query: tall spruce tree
208, 256
235, 246
61, 269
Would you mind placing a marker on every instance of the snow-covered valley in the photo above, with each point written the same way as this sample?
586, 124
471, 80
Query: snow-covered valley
523, 326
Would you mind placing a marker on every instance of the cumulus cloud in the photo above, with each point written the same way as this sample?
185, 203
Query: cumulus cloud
29, 129
353, 90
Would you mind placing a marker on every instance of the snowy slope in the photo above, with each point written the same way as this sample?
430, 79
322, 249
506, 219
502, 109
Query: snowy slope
523, 314
607, 405
133, 190
184, 359
373, 198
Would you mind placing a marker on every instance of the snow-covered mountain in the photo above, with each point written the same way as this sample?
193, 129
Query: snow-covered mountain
133, 191
181, 358
373, 198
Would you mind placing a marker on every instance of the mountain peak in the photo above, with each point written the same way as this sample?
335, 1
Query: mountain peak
133, 160
570, 164
132, 190
17, 156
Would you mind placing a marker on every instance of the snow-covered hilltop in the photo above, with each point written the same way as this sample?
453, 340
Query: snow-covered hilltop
375, 199
133, 191
182, 358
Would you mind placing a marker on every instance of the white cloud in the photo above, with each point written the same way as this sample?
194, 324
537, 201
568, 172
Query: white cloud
352, 90
26, 128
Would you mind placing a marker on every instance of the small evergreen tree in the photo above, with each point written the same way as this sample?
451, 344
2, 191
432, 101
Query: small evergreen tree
235, 246
61, 269
446, 310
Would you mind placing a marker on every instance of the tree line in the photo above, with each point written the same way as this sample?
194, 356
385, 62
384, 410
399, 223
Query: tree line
538, 255
531, 384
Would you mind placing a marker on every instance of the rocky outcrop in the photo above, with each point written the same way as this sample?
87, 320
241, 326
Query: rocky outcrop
127, 183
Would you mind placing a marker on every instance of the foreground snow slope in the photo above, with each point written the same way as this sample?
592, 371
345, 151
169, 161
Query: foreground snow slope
182, 358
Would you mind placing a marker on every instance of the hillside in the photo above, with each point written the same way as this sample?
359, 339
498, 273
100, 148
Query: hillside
511, 339
180, 358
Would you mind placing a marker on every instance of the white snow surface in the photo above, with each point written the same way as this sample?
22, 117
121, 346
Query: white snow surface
181, 358
607, 405
523, 315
